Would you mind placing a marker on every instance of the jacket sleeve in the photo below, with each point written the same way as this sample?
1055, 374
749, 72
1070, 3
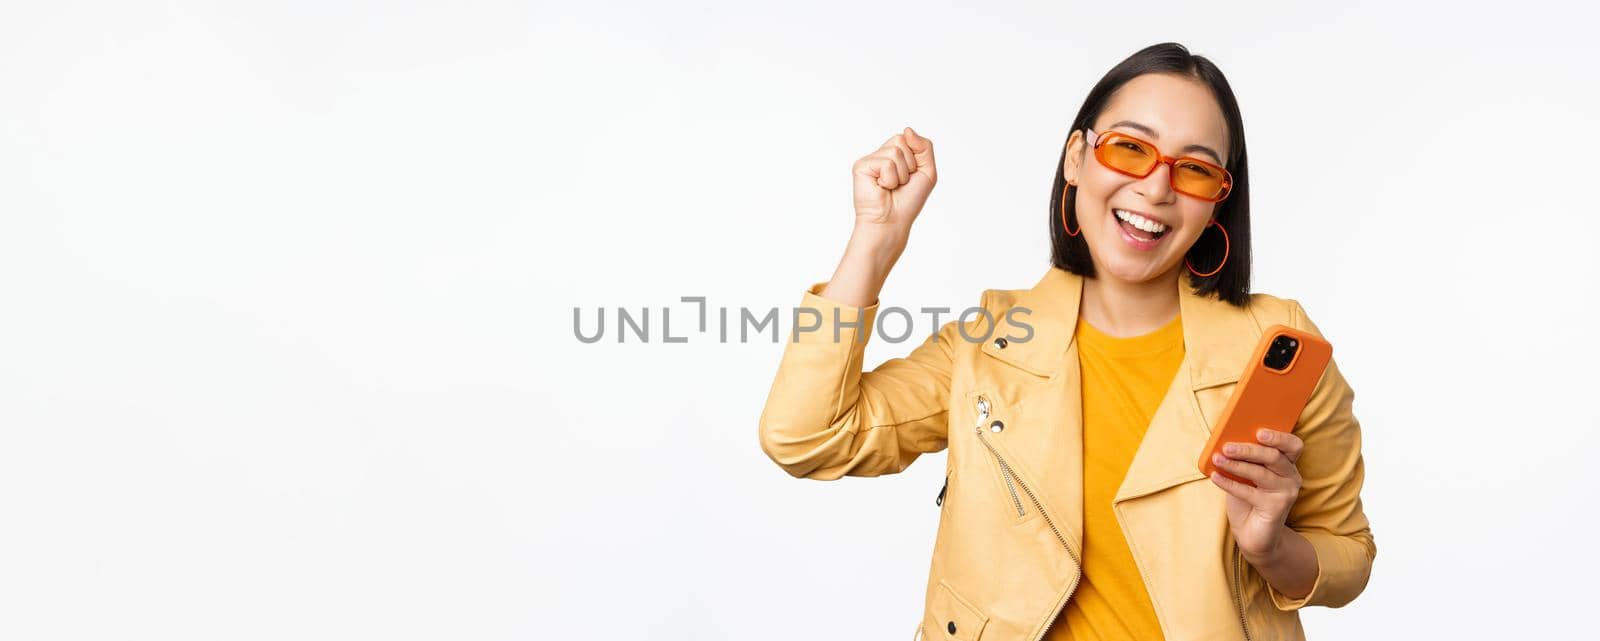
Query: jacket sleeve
1328, 511
825, 418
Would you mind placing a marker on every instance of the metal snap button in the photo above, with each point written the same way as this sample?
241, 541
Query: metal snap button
996, 426
950, 627
1000, 343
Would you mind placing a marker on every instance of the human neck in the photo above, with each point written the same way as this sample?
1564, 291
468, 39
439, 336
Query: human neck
1122, 309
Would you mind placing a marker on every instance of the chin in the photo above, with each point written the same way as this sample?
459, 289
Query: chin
1133, 270
1128, 269
1130, 265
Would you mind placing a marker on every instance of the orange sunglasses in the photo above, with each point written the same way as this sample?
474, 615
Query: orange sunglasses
1136, 157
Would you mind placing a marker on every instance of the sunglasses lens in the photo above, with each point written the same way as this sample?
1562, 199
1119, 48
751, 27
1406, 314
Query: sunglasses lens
1127, 155
1199, 180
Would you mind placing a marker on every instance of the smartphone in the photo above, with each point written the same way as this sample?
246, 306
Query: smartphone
1273, 391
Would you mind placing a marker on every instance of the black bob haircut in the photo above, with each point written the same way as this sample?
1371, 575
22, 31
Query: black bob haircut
1232, 282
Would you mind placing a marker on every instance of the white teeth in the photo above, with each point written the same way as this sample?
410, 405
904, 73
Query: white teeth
1140, 221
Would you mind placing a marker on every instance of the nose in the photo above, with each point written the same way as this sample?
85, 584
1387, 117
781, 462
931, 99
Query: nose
1156, 187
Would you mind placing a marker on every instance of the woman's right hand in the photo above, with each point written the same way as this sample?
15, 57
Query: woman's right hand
892, 183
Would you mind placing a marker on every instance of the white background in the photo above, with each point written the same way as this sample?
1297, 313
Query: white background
287, 288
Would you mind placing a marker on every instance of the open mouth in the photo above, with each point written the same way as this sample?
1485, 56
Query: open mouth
1138, 227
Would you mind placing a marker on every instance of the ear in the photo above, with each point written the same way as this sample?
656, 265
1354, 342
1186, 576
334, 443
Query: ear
1070, 168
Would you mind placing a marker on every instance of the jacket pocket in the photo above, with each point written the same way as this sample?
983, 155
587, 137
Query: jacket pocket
953, 618
1011, 488
989, 423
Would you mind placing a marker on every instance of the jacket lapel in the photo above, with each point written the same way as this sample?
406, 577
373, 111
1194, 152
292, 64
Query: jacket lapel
1218, 341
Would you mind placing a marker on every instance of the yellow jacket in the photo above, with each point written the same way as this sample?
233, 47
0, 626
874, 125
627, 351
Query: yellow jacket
1005, 560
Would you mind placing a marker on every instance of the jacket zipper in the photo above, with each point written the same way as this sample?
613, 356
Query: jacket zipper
1238, 591
940, 500
1005, 473
983, 413
1005, 470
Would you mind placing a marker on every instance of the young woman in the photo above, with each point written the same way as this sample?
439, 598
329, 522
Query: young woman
1074, 411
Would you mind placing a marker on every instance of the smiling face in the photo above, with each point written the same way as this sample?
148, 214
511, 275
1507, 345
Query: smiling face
1180, 116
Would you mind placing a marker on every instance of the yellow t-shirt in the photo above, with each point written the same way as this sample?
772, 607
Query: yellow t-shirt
1124, 380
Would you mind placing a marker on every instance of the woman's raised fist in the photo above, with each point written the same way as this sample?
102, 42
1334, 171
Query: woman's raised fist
892, 183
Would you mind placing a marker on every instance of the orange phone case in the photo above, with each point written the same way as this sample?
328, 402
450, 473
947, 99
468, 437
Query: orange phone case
1266, 397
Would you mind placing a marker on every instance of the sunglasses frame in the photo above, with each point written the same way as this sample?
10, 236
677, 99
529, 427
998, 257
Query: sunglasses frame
1099, 139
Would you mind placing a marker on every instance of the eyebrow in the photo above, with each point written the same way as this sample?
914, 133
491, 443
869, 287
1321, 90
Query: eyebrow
1152, 133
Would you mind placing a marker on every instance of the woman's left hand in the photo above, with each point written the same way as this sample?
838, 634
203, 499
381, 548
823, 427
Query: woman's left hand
1256, 514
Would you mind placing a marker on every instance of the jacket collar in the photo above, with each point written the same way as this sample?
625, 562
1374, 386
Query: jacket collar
1218, 337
